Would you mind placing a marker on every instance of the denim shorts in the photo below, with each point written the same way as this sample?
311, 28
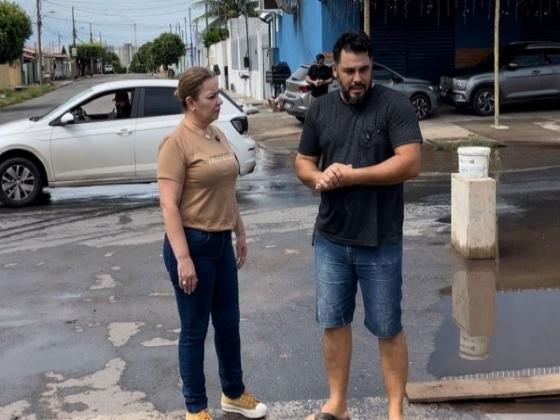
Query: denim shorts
338, 270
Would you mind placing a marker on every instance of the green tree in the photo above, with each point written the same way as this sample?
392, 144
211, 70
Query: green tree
167, 48
87, 53
15, 28
213, 35
143, 60
112, 58
219, 11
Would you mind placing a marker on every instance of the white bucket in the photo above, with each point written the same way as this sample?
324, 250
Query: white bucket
473, 161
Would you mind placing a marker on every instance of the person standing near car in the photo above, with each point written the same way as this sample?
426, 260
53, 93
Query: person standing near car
358, 146
319, 77
196, 174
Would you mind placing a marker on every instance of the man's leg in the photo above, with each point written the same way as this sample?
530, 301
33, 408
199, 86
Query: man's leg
336, 291
337, 347
380, 275
394, 363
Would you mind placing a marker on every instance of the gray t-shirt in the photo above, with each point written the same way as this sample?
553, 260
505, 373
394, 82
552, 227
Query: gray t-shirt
362, 135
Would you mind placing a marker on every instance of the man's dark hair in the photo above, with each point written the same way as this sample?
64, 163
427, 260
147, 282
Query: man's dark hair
356, 42
319, 57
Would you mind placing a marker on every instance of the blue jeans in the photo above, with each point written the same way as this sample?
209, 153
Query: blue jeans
338, 270
216, 294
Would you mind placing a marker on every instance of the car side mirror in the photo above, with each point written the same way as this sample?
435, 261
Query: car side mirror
67, 118
396, 79
513, 66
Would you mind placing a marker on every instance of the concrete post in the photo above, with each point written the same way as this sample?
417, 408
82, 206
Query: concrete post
473, 216
474, 308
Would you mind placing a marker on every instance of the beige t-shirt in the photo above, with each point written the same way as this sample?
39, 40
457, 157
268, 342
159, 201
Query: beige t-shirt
207, 170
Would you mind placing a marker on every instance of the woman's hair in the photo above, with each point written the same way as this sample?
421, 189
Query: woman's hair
191, 82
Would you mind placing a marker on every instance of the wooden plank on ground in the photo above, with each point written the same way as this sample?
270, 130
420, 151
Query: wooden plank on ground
480, 389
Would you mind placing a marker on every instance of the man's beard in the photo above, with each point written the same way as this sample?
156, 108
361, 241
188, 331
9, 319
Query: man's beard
353, 100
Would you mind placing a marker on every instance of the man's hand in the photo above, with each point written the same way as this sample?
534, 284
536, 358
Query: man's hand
336, 175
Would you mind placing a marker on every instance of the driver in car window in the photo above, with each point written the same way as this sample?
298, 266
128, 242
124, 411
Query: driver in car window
122, 105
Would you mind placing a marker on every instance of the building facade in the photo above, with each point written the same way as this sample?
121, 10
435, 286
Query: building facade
420, 38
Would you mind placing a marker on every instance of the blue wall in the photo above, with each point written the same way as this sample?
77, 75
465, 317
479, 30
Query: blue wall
338, 18
300, 37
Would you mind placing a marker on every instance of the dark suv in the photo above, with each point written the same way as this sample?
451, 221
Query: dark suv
528, 71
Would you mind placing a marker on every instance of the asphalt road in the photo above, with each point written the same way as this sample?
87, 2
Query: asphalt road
88, 325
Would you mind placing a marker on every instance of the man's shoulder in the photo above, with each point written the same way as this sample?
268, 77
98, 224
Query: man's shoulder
387, 94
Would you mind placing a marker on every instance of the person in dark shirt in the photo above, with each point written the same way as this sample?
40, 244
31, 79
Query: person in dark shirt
319, 77
358, 145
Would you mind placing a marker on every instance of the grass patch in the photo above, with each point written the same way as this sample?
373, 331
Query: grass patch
12, 97
452, 145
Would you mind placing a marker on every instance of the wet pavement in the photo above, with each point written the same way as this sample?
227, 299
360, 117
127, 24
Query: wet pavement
88, 327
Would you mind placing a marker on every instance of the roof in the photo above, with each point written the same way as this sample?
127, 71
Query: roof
123, 84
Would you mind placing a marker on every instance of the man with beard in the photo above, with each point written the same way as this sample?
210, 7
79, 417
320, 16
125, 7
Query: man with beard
358, 146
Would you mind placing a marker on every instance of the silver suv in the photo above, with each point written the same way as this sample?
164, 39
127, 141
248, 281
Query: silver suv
528, 71
423, 95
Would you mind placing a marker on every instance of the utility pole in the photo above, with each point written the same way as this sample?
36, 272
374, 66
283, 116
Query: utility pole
186, 43
135, 44
367, 16
190, 30
90, 34
39, 53
207, 49
74, 59
73, 29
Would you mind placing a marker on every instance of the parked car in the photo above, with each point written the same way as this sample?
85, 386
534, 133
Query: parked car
108, 68
423, 95
528, 71
86, 142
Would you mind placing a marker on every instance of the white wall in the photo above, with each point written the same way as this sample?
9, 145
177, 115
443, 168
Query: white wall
236, 49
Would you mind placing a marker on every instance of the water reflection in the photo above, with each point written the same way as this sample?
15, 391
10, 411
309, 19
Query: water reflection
473, 295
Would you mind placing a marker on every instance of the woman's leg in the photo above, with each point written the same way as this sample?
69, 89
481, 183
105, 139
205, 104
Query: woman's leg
194, 312
225, 318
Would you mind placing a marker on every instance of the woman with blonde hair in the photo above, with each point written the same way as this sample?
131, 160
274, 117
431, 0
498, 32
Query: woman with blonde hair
196, 174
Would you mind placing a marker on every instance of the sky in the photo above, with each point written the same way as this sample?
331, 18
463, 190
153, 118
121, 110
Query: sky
112, 19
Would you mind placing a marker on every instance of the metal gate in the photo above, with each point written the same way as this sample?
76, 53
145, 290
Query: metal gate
414, 43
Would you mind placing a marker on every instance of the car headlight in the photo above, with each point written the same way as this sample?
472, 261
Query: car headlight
433, 88
460, 84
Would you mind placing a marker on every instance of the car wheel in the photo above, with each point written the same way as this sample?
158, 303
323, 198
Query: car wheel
20, 182
300, 119
422, 105
483, 101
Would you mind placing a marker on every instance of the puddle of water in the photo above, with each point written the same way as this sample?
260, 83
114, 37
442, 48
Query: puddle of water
506, 158
505, 331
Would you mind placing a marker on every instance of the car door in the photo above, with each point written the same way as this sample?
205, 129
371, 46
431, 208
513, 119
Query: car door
386, 77
99, 145
160, 113
522, 78
551, 83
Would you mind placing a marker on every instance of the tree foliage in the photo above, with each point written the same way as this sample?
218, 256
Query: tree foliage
15, 28
213, 35
143, 60
219, 11
167, 48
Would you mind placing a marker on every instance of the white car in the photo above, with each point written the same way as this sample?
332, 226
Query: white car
88, 141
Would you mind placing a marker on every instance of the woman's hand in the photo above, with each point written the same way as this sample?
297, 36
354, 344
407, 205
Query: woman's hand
187, 275
241, 247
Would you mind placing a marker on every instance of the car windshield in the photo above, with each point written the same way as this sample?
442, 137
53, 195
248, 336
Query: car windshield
506, 55
300, 73
56, 109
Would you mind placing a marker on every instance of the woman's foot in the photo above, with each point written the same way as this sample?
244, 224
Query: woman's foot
246, 405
